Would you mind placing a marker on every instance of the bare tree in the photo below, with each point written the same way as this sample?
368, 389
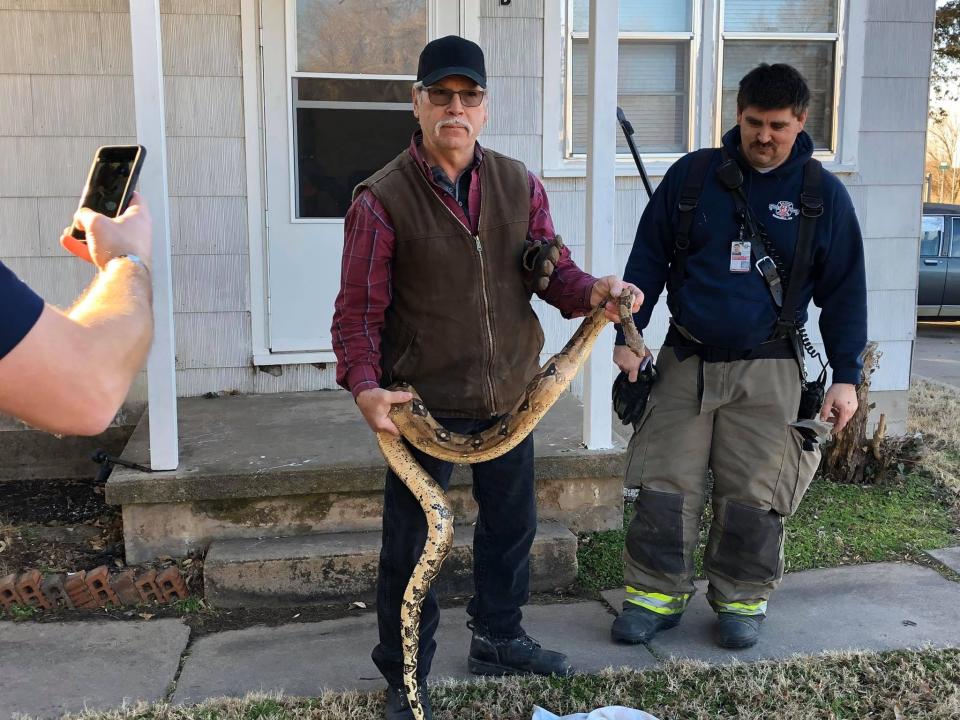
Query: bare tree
943, 148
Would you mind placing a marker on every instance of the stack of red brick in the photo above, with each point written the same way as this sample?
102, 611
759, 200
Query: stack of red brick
93, 589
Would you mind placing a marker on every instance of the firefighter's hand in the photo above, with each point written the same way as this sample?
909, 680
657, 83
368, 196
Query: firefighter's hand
839, 405
625, 359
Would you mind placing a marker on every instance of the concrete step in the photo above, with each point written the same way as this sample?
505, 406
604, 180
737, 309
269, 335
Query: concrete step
306, 463
342, 567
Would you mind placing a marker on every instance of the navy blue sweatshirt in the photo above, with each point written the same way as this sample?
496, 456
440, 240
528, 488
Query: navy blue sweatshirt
735, 310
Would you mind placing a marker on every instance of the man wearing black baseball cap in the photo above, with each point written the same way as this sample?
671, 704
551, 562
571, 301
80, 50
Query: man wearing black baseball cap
443, 249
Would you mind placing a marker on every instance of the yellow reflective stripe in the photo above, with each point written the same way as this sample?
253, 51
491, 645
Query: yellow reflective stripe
739, 608
657, 596
658, 602
652, 608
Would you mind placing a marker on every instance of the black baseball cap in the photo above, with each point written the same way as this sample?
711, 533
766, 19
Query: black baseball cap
451, 55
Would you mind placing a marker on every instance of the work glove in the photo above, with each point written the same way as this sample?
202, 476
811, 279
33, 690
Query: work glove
539, 261
630, 398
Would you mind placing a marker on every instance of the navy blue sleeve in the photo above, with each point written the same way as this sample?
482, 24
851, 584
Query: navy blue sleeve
20, 308
648, 266
840, 290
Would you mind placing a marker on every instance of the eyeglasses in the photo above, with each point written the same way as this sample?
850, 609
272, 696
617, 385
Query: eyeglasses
444, 96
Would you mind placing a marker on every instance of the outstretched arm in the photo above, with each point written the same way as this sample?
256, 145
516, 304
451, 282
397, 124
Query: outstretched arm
72, 371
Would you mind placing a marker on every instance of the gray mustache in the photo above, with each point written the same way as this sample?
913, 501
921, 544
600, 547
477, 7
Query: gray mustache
454, 122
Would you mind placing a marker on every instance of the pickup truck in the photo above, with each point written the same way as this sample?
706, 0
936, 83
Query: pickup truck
938, 294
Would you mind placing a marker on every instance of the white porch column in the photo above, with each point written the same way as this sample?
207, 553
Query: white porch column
151, 133
601, 197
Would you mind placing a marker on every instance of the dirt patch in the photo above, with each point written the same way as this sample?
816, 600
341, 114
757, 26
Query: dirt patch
57, 526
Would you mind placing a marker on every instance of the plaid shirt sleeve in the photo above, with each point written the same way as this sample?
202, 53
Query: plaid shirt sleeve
570, 287
365, 293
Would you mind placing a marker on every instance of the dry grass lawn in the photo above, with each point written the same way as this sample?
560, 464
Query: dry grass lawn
934, 412
921, 684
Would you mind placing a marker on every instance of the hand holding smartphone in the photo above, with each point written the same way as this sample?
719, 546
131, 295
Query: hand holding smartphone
110, 182
112, 219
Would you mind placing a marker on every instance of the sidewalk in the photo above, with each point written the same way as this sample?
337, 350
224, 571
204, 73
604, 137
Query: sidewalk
48, 669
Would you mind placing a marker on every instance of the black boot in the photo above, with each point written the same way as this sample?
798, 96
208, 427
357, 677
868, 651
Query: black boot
636, 624
738, 631
398, 707
517, 656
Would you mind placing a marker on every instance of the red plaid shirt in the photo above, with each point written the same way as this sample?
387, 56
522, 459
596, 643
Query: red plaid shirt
365, 286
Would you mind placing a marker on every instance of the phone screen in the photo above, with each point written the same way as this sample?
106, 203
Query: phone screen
111, 180
107, 184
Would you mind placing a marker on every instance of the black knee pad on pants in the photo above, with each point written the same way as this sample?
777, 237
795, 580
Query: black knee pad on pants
655, 535
750, 544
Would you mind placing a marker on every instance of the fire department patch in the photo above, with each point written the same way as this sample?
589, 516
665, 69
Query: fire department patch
783, 210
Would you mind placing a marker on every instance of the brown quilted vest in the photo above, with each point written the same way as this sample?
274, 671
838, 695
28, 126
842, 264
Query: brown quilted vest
459, 327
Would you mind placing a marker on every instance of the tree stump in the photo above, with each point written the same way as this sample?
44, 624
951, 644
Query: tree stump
851, 457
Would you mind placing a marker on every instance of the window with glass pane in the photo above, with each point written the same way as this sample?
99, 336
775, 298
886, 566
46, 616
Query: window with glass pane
346, 128
931, 232
955, 239
334, 36
780, 16
653, 77
814, 58
815, 61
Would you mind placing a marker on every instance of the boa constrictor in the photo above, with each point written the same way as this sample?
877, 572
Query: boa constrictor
426, 434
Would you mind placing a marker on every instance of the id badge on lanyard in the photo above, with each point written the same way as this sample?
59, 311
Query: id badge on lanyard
740, 256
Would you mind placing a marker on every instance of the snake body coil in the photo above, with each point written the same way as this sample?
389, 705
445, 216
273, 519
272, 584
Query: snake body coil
426, 434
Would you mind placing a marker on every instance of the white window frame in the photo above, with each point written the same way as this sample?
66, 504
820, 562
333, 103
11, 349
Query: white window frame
706, 70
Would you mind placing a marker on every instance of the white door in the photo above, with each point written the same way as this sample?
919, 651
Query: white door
336, 85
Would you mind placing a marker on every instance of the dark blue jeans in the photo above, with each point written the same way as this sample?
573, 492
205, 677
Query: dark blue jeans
506, 524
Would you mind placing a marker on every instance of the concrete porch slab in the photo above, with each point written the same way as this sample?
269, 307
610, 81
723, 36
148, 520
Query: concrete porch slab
49, 669
301, 463
879, 606
303, 659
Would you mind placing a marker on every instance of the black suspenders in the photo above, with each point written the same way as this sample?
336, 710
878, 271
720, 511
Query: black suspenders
689, 197
811, 207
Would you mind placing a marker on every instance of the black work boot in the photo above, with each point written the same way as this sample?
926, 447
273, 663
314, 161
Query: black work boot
738, 631
398, 707
636, 624
517, 656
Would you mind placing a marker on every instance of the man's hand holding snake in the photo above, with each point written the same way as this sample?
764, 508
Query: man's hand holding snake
607, 290
375, 405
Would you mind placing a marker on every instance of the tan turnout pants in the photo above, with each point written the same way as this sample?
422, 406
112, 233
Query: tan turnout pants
734, 418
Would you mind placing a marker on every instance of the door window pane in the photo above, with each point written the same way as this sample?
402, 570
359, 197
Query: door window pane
640, 15
652, 89
931, 230
334, 36
780, 16
814, 60
354, 90
955, 238
345, 130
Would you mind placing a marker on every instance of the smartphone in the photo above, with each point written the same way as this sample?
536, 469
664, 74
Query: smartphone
110, 183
